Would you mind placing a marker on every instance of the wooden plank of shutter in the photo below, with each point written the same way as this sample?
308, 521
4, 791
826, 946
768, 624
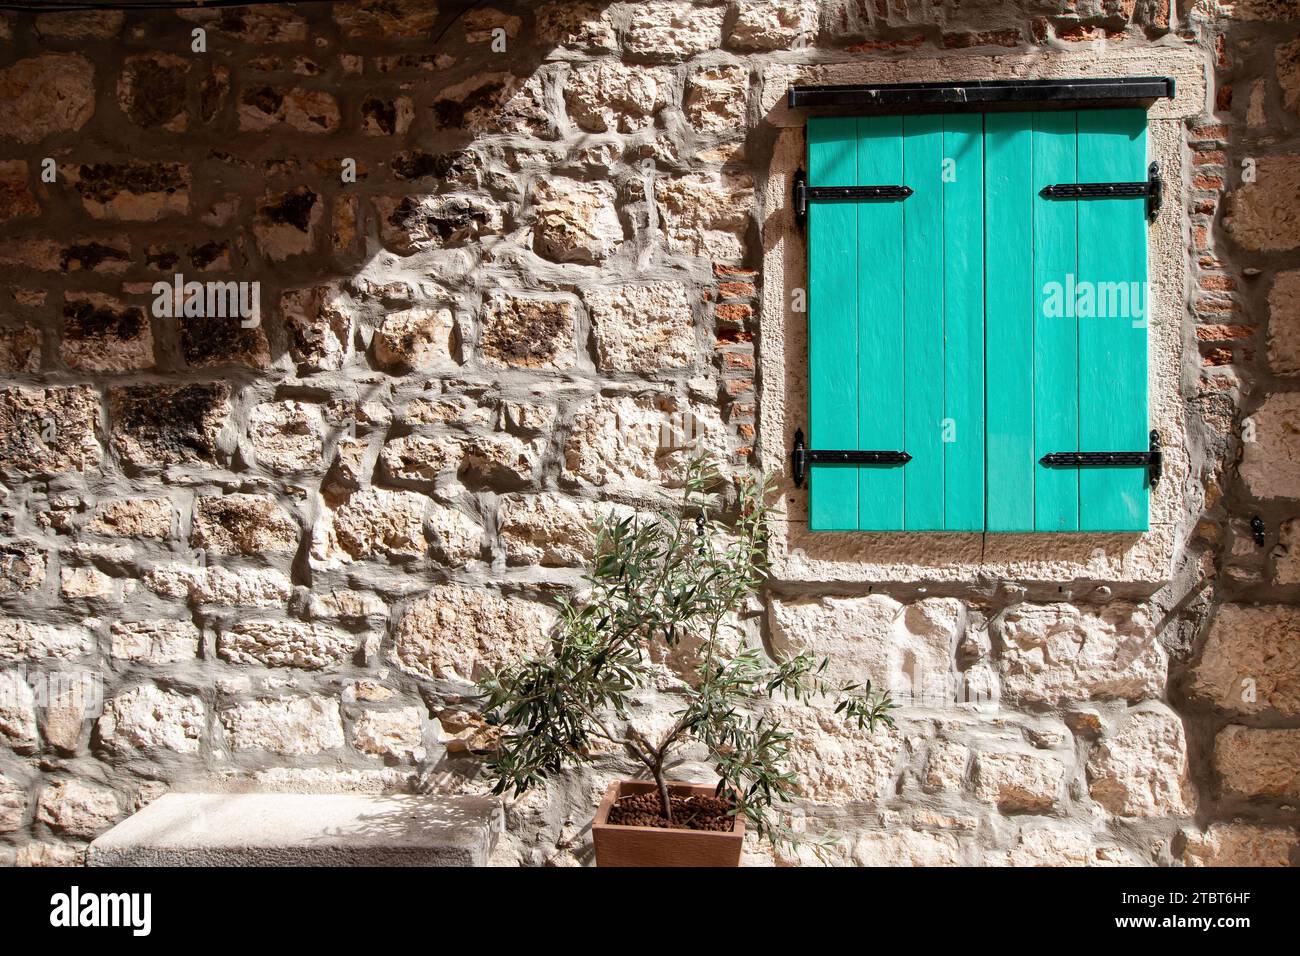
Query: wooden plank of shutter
1009, 320
832, 323
1056, 353
963, 279
923, 490
879, 268
1113, 339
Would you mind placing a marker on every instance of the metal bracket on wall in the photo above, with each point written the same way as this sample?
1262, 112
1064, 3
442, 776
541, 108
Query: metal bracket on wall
1152, 460
801, 457
1152, 190
1258, 530
802, 194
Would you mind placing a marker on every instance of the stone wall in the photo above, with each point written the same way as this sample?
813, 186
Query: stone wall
282, 548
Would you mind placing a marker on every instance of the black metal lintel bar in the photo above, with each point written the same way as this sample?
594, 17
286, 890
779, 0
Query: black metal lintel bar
982, 95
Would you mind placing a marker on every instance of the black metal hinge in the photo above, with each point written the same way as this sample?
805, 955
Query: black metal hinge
1152, 460
801, 457
803, 194
1152, 189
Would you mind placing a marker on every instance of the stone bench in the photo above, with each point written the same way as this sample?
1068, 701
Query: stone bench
290, 829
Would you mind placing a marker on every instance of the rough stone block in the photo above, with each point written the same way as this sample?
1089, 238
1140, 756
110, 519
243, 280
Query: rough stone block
50, 93
411, 224
1240, 844
149, 718
615, 97
527, 332
1057, 652
1283, 329
582, 26
286, 224
16, 198
834, 761
575, 222
24, 640
132, 518
706, 214
460, 633
715, 98
907, 848
158, 425
22, 568
13, 805
287, 436
906, 649
635, 441
294, 726
420, 338
387, 19
154, 642
319, 323
455, 537
49, 430
133, 191
20, 350
643, 327
151, 91
258, 26
550, 530
1264, 215
76, 809
1271, 463
1140, 769
309, 646
370, 524
1251, 659
1258, 762
17, 712
242, 524
672, 30
1028, 781
306, 111
102, 334
206, 341
242, 587
772, 24
395, 733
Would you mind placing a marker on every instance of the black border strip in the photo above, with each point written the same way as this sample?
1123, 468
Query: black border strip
982, 95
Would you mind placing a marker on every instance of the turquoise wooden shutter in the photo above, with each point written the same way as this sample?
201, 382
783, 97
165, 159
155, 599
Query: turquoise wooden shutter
1066, 320
976, 324
1113, 339
896, 323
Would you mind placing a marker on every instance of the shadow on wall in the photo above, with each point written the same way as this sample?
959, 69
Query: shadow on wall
300, 312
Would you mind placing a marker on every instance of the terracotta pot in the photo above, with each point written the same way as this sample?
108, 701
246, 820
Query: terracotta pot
660, 846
